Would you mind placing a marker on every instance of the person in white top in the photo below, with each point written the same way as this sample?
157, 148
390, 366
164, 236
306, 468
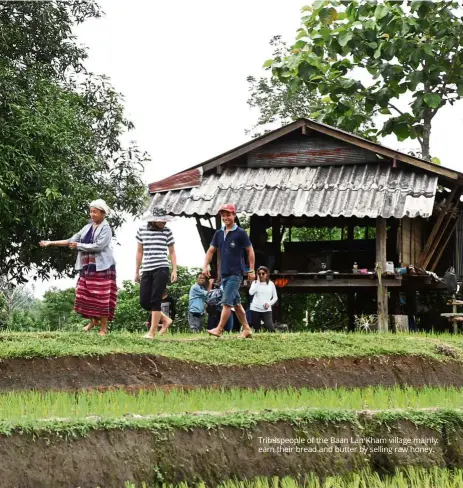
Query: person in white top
264, 296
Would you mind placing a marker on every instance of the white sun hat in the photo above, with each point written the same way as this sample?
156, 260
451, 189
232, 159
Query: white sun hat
157, 214
101, 205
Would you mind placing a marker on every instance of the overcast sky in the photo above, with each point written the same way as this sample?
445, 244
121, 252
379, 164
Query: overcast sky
182, 68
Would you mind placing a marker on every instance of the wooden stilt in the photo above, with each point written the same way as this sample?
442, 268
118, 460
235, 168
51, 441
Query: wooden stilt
350, 312
218, 224
383, 314
276, 241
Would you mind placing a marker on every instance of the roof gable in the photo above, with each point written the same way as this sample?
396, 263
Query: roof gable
310, 125
312, 149
305, 126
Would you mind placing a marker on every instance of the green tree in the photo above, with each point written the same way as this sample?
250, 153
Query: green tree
14, 299
280, 102
57, 309
382, 53
60, 137
129, 315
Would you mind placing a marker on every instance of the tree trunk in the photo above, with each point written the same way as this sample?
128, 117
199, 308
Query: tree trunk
425, 149
425, 142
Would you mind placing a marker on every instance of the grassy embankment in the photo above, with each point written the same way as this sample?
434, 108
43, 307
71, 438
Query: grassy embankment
262, 349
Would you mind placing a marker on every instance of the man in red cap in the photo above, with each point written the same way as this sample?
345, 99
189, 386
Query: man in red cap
231, 240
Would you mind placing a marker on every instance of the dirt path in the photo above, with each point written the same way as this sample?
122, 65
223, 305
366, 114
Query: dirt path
136, 371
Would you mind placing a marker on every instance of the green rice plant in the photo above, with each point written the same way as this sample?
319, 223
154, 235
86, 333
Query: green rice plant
410, 477
262, 349
31, 405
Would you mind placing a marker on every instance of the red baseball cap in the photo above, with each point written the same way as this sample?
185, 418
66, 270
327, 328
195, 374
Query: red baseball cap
228, 207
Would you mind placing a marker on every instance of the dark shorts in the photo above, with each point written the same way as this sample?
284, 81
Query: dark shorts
152, 286
231, 290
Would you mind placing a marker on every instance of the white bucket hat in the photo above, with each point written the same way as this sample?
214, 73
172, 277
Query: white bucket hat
101, 205
157, 214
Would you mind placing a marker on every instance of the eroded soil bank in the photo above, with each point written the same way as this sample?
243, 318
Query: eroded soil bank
108, 458
132, 371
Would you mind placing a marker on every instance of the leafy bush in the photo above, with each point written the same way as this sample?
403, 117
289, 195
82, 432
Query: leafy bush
129, 315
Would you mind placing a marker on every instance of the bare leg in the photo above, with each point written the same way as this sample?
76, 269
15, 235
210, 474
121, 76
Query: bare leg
241, 314
103, 326
155, 319
90, 325
166, 323
224, 316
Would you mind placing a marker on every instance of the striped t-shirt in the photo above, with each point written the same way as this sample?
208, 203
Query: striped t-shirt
156, 244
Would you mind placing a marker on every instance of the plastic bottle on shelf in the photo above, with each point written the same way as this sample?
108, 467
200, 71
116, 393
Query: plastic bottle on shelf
355, 269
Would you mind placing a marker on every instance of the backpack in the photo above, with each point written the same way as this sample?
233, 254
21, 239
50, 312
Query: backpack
213, 299
451, 280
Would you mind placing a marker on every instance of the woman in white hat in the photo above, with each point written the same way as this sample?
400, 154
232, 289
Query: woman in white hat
155, 242
96, 291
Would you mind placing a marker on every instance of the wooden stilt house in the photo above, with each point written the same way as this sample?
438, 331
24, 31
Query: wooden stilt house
384, 206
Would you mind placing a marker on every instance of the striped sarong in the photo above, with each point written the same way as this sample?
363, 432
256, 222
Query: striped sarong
96, 291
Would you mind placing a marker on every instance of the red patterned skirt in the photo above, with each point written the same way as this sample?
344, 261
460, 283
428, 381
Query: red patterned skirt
96, 292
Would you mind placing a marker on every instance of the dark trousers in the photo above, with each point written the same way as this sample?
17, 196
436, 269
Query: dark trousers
152, 286
266, 317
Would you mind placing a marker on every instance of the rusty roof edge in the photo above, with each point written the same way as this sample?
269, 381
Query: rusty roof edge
328, 130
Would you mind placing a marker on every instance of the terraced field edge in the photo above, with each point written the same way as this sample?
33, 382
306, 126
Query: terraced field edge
149, 371
214, 448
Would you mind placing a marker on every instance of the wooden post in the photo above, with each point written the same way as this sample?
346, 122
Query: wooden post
350, 232
350, 311
454, 311
254, 229
276, 241
218, 224
383, 314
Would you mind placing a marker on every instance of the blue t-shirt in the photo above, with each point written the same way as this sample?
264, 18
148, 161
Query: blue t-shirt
231, 249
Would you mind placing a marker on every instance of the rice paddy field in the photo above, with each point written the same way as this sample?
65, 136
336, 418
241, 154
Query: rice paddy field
33, 405
327, 410
407, 478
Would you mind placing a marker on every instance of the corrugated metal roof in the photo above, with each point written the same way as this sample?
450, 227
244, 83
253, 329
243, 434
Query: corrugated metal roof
366, 190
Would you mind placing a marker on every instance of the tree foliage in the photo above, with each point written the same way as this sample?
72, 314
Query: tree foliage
60, 137
280, 102
380, 53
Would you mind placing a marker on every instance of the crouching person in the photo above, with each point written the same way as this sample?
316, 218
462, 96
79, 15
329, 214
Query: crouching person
197, 299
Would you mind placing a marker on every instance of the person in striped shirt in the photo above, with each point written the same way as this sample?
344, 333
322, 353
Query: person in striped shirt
155, 242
